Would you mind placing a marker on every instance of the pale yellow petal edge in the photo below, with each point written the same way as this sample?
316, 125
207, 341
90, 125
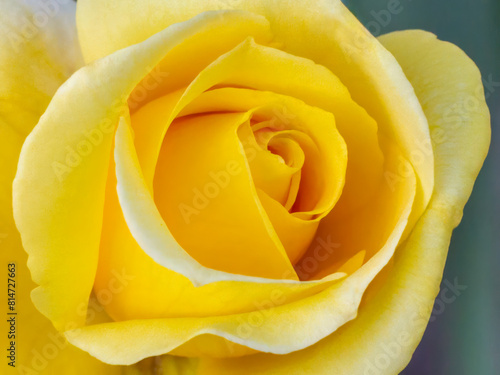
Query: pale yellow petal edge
392, 320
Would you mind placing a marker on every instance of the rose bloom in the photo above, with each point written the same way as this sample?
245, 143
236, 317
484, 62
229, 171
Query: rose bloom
227, 186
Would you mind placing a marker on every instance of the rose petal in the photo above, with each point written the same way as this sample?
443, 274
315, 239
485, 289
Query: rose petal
206, 196
279, 330
263, 68
323, 31
396, 315
58, 193
31, 69
152, 291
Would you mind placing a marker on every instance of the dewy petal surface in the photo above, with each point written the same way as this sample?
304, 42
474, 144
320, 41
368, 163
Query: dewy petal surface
444, 78
26, 88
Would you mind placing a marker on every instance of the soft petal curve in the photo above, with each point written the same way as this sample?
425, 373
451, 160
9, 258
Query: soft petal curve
281, 329
40, 348
397, 314
61, 179
306, 29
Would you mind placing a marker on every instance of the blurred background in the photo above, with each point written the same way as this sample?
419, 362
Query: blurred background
463, 337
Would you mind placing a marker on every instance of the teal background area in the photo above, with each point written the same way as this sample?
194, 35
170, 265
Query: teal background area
463, 337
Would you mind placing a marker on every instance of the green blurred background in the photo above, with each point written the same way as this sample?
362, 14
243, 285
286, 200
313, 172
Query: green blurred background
463, 337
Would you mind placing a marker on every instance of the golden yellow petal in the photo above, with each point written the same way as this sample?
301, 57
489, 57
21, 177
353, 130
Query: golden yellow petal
60, 184
391, 323
306, 29
205, 193
307, 320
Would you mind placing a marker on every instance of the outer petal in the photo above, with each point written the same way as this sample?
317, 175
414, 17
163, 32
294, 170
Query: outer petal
321, 30
276, 329
60, 185
26, 87
31, 69
395, 316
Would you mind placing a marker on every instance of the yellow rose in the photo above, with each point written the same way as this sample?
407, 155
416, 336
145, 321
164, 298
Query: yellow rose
230, 186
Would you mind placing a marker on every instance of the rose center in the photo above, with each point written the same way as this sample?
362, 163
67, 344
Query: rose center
275, 160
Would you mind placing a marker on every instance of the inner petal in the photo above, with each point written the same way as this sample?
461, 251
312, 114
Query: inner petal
293, 155
264, 68
313, 129
310, 129
270, 171
206, 196
365, 230
322, 177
